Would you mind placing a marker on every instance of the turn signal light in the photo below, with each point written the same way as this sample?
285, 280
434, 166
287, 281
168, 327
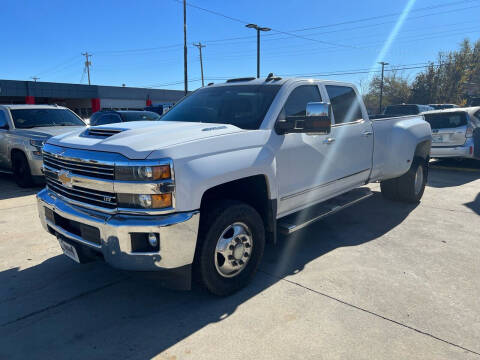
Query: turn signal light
161, 172
161, 201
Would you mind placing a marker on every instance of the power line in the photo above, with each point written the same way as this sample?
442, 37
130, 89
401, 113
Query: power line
248, 22
229, 40
336, 73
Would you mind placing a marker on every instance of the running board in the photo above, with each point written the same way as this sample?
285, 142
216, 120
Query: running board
303, 218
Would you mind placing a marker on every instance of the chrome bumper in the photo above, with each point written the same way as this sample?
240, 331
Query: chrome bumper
178, 234
463, 151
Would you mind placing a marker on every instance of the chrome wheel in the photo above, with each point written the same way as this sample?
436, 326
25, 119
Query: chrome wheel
418, 179
233, 250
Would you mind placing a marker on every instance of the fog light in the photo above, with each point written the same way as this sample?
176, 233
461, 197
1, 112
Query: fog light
153, 240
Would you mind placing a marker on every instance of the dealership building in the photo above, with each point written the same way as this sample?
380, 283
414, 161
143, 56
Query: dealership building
84, 99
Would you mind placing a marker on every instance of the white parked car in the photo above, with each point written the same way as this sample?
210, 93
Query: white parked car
455, 132
202, 189
23, 131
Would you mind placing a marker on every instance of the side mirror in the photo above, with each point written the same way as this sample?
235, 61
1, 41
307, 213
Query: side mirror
317, 120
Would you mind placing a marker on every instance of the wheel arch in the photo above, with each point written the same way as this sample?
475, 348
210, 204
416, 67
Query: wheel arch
253, 190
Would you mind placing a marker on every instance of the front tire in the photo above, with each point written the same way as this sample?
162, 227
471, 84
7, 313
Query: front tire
408, 187
232, 241
21, 170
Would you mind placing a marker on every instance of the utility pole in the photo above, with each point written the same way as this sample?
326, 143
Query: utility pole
87, 64
185, 72
200, 46
35, 78
258, 28
383, 63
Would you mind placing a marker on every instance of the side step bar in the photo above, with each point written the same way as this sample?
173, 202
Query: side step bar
303, 218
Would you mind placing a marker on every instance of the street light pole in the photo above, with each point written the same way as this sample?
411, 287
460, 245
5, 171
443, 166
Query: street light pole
200, 46
381, 87
185, 74
258, 28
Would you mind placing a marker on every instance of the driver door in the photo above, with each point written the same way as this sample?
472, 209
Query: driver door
303, 160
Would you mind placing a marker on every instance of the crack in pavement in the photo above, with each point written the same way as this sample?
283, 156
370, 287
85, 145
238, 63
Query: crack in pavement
63, 302
371, 313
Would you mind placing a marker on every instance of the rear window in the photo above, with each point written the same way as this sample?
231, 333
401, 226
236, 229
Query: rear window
446, 120
399, 110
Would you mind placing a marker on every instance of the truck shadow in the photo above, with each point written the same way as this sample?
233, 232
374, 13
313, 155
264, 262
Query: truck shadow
440, 178
10, 190
116, 315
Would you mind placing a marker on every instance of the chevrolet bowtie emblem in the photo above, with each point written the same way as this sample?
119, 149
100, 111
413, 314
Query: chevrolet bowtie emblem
65, 177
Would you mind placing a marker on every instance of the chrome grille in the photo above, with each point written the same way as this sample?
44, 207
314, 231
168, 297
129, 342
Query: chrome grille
93, 169
79, 194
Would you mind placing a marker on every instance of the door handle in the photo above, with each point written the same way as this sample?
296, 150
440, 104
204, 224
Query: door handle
367, 133
329, 140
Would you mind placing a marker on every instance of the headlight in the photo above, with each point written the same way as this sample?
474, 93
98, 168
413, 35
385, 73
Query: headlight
142, 173
145, 201
37, 143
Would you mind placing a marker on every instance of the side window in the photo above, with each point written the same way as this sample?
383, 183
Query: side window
3, 120
296, 104
345, 104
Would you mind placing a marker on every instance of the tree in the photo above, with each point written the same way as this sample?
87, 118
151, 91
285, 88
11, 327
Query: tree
452, 79
396, 90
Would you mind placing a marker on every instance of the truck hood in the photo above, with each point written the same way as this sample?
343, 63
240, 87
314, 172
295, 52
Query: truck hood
137, 139
46, 132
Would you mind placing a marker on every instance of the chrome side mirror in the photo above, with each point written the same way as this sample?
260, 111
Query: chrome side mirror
317, 120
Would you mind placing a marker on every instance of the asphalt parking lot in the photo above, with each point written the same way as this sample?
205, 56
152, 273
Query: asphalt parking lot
378, 280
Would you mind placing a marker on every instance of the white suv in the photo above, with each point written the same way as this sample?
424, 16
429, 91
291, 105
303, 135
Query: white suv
455, 132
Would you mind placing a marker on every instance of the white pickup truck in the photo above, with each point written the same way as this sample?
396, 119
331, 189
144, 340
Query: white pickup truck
199, 192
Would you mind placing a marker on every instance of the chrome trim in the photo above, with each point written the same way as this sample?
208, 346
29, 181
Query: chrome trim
286, 197
56, 188
97, 159
81, 204
86, 181
178, 234
359, 121
71, 236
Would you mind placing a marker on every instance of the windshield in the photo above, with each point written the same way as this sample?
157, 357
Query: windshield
139, 116
30, 118
401, 110
446, 120
244, 106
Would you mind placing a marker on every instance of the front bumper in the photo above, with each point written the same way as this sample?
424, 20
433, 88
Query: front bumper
463, 151
36, 164
177, 235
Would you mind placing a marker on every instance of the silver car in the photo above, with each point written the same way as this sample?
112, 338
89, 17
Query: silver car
23, 131
455, 132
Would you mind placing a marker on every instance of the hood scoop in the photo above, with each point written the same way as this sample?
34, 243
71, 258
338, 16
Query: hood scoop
102, 132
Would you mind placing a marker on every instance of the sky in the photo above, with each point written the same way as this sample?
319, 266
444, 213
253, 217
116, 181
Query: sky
140, 43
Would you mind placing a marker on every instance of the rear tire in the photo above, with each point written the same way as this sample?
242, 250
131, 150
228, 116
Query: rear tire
21, 170
408, 187
231, 245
